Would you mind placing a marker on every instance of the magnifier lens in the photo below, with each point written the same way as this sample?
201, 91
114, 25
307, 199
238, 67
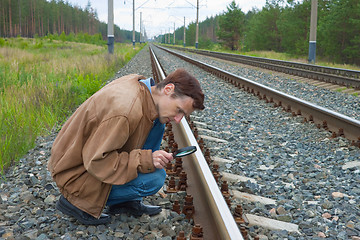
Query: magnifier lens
185, 151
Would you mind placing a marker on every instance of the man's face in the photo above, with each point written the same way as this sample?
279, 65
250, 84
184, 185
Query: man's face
173, 109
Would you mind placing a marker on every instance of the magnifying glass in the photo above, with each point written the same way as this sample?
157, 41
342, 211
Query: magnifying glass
184, 151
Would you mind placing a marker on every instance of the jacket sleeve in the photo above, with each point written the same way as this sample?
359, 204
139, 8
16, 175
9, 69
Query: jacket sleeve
103, 159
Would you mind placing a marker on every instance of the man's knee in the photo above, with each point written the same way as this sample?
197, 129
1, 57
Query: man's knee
160, 177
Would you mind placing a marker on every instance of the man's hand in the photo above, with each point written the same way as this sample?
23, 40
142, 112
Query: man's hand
161, 158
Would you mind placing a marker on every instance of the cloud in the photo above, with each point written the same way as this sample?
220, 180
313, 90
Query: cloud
159, 16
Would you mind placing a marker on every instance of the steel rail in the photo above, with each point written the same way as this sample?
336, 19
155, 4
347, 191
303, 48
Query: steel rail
211, 210
338, 124
345, 77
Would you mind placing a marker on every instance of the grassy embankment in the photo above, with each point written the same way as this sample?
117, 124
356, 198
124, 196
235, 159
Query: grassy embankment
284, 56
42, 81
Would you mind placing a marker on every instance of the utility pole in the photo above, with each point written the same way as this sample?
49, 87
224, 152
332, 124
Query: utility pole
313, 24
197, 25
110, 26
184, 31
140, 26
174, 34
134, 24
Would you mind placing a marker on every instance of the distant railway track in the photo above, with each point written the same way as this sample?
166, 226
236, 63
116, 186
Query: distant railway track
343, 77
338, 124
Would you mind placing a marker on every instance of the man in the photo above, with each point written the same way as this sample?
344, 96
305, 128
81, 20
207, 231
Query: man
107, 153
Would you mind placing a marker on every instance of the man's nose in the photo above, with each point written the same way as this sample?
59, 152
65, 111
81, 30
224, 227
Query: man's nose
178, 117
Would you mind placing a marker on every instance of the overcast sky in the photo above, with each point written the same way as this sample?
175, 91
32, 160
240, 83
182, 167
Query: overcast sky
159, 16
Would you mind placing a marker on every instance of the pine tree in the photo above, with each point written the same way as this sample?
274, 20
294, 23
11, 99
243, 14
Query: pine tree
231, 26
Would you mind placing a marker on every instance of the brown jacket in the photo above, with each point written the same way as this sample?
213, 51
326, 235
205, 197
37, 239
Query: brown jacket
100, 144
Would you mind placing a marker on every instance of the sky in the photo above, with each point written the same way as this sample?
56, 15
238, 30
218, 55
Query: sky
159, 16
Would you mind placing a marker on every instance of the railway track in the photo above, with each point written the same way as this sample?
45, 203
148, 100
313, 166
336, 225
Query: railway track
280, 170
288, 103
338, 124
343, 77
211, 211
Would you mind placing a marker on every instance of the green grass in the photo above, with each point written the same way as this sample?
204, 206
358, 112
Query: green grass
341, 89
300, 59
42, 81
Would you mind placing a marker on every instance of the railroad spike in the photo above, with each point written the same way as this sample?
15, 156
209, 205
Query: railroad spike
341, 132
171, 186
356, 143
225, 189
228, 200
182, 184
174, 147
238, 215
333, 135
188, 208
181, 236
311, 119
324, 125
244, 233
176, 207
169, 169
178, 166
197, 233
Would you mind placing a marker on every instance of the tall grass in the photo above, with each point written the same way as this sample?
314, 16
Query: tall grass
42, 81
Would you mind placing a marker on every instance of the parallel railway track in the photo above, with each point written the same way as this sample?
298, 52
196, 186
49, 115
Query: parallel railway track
344, 77
338, 124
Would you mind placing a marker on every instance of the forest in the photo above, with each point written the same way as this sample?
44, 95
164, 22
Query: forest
283, 26
32, 18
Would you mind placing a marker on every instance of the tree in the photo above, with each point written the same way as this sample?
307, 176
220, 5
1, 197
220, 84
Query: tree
262, 32
190, 34
231, 26
294, 28
339, 31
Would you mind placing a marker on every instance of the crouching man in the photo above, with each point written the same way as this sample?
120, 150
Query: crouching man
107, 153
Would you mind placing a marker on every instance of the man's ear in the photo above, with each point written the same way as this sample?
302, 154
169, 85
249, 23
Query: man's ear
169, 88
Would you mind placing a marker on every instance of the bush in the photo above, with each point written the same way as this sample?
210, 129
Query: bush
2, 42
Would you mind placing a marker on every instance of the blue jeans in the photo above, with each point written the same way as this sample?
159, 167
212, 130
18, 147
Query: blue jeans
145, 184
142, 186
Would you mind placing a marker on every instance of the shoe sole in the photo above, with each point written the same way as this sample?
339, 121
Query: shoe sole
69, 212
132, 212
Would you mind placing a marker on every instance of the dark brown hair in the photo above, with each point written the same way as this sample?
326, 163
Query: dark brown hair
185, 84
